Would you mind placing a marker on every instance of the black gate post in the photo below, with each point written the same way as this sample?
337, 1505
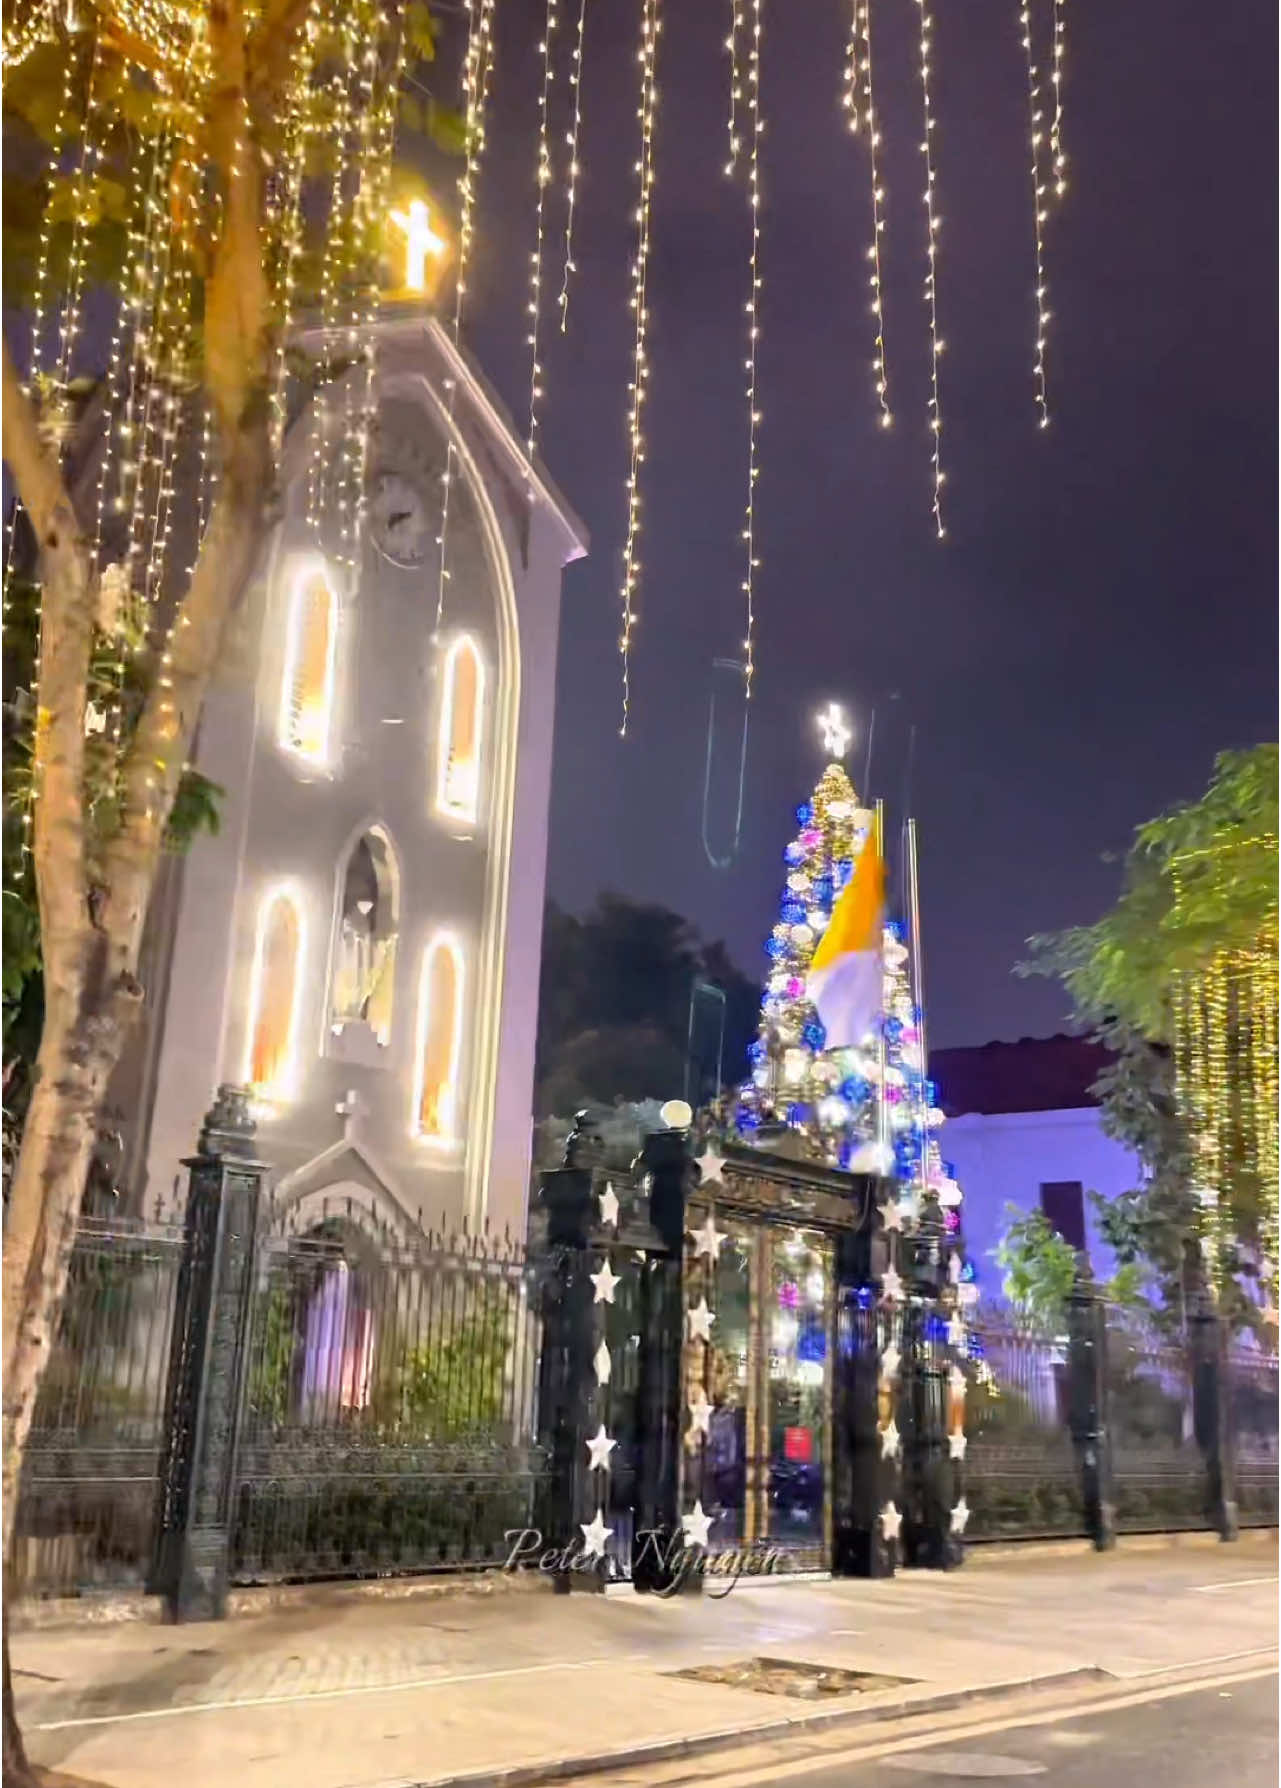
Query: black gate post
1212, 1417
564, 1218
665, 1167
867, 1490
1088, 1409
207, 1363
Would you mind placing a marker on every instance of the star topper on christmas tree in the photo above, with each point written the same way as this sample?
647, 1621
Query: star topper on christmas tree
836, 734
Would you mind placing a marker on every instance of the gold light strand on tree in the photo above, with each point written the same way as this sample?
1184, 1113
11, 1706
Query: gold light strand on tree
732, 43
755, 126
571, 139
299, 126
27, 33
338, 92
477, 63
1058, 156
933, 222
542, 179
640, 364
1039, 213
1264, 1042
880, 373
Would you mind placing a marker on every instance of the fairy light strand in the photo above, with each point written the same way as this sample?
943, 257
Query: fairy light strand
1058, 156
880, 373
571, 140
542, 179
850, 77
1037, 136
732, 43
755, 126
640, 364
933, 222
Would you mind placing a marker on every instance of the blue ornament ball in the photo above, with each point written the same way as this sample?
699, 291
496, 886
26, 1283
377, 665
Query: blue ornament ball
813, 1033
804, 814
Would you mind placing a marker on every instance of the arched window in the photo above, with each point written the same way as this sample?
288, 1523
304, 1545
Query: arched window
365, 949
311, 644
461, 724
440, 1031
274, 994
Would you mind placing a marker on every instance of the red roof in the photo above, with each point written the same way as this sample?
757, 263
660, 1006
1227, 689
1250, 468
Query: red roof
1034, 1074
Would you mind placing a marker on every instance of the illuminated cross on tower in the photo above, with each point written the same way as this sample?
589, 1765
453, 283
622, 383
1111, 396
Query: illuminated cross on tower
836, 734
420, 241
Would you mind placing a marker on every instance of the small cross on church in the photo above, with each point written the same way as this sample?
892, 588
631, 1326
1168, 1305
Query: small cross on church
350, 1109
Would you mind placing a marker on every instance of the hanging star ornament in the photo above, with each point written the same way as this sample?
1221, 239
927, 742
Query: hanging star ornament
601, 1362
700, 1411
956, 1444
891, 1286
709, 1166
708, 1240
891, 1215
697, 1525
700, 1321
605, 1281
960, 1516
609, 1205
891, 1521
891, 1441
599, 1447
595, 1533
890, 1361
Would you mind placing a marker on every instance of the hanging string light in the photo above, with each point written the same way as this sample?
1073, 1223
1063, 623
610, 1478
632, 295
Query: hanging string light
542, 179
478, 60
1039, 213
933, 222
732, 43
850, 78
1058, 157
880, 376
571, 139
755, 126
640, 365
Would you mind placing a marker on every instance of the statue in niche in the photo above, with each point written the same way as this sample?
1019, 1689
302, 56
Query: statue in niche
364, 963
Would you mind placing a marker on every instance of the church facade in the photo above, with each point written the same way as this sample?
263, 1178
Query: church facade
359, 945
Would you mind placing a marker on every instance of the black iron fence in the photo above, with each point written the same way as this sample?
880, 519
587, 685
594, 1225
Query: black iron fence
1025, 1466
86, 1512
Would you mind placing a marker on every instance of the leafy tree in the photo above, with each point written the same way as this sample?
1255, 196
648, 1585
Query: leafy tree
1040, 1271
1198, 882
216, 134
614, 1018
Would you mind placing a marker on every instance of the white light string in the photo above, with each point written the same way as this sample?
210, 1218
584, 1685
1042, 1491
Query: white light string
542, 179
650, 25
1058, 156
735, 80
1039, 213
850, 77
933, 222
571, 139
755, 126
880, 375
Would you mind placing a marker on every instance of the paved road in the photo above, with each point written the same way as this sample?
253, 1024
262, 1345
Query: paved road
1218, 1735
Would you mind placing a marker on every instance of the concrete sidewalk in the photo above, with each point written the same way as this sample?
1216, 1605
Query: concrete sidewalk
351, 1693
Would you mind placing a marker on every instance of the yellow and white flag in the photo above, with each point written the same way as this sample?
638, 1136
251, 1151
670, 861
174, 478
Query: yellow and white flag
845, 973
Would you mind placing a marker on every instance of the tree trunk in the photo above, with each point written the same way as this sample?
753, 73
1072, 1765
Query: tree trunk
18, 1773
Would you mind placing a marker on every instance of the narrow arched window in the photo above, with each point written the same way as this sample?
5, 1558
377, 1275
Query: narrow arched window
311, 643
274, 994
461, 726
365, 948
440, 1030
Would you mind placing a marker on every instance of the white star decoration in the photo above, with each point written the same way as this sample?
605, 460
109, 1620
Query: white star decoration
609, 1205
891, 1521
891, 1215
600, 1446
956, 1382
708, 1240
605, 1281
890, 1361
697, 1525
956, 1444
601, 1362
890, 1441
700, 1321
960, 1515
595, 1533
709, 1166
701, 1414
891, 1286
954, 1268
956, 1332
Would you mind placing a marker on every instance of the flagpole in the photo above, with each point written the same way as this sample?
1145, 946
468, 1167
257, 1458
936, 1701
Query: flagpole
882, 1107
918, 994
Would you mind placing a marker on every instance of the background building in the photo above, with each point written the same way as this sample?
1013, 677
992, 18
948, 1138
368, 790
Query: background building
360, 943
1024, 1129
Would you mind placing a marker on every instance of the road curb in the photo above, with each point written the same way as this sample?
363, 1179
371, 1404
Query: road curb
524, 1775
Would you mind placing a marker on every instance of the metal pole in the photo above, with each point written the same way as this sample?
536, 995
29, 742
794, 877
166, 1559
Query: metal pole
882, 1108
918, 995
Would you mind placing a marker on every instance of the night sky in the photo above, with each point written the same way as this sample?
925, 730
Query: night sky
1101, 619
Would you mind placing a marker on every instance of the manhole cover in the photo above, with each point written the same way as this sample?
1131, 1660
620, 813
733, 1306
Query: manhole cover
781, 1676
972, 1764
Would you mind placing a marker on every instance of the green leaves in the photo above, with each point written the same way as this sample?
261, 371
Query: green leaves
1039, 1268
